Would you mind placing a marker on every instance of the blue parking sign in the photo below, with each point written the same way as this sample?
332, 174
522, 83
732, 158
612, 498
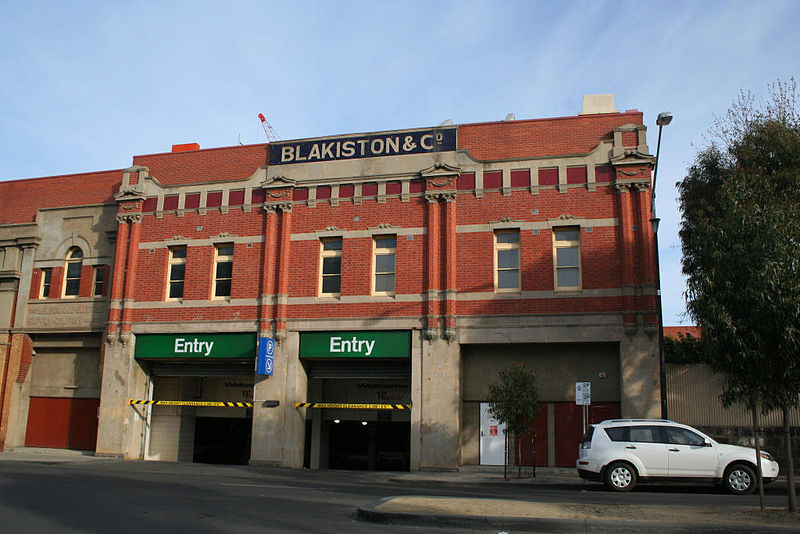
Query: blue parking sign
266, 353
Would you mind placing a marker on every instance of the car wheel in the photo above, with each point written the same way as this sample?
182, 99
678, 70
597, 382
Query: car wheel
620, 476
740, 479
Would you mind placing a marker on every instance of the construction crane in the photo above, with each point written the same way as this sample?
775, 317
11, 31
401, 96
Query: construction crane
268, 131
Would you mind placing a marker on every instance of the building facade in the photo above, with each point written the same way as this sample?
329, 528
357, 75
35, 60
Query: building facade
395, 272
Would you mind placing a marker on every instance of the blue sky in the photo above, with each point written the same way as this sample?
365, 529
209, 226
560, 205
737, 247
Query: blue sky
87, 85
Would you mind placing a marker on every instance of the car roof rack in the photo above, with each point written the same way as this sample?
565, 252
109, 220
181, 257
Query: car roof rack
639, 421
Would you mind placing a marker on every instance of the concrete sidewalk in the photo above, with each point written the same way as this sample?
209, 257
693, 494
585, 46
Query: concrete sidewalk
526, 515
519, 515
52, 456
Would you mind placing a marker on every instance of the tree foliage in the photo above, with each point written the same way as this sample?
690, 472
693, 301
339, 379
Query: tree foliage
740, 234
514, 398
685, 349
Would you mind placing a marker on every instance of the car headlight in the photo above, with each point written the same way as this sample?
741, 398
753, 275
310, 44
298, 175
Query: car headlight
767, 456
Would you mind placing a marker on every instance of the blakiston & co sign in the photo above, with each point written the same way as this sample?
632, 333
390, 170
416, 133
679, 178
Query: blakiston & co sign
364, 146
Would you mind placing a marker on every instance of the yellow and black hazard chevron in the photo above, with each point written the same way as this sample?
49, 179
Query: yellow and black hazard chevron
352, 406
223, 404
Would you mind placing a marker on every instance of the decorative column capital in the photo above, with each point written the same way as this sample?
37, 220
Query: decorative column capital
273, 207
129, 217
432, 198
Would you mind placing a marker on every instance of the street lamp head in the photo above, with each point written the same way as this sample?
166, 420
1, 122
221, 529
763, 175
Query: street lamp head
655, 222
664, 118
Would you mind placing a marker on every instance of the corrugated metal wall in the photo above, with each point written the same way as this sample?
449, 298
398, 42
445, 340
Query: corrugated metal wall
171, 427
693, 398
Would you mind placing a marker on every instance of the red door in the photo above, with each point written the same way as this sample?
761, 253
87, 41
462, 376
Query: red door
83, 424
526, 446
603, 410
541, 436
48, 423
568, 426
59, 423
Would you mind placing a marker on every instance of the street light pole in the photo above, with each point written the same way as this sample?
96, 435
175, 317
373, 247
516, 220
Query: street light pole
662, 120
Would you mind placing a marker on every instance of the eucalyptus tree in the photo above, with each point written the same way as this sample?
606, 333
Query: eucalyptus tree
740, 233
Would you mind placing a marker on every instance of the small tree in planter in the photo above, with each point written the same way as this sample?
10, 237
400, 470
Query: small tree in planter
514, 401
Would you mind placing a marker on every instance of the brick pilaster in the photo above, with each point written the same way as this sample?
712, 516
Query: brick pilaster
130, 277
648, 302
284, 257
627, 252
118, 279
450, 262
433, 279
268, 259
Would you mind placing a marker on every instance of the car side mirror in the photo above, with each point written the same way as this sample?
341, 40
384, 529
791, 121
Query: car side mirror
706, 443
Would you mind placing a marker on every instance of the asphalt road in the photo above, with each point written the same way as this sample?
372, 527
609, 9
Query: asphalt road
149, 497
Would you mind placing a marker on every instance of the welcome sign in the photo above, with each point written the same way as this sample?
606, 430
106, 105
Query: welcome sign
364, 146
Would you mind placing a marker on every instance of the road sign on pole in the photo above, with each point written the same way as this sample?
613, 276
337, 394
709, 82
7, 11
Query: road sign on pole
583, 393
583, 398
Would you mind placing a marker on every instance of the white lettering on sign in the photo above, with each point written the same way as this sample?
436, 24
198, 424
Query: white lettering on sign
354, 345
183, 346
379, 146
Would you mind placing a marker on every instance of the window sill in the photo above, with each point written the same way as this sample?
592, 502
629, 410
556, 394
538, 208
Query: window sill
569, 290
67, 299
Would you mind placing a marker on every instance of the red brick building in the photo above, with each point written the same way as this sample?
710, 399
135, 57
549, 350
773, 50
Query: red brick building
397, 272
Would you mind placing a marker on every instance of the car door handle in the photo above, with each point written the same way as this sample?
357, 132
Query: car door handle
675, 450
630, 447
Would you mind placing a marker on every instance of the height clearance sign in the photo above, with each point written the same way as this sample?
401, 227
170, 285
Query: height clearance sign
356, 344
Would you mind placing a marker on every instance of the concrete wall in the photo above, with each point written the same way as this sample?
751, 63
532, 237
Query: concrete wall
279, 432
557, 366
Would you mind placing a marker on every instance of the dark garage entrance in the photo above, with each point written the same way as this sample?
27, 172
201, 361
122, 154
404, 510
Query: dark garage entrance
220, 440
376, 446
359, 396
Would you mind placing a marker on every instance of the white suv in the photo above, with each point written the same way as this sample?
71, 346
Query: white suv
621, 451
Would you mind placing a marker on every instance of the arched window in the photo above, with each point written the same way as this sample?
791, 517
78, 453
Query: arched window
72, 281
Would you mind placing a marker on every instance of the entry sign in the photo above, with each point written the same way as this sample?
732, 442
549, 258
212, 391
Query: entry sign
266, 353
583, 393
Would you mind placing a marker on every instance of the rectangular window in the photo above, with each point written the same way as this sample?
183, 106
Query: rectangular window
223, 270
331, 266
567, 256
177, 272
99, 280
384, 264
506, 246
47, 280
